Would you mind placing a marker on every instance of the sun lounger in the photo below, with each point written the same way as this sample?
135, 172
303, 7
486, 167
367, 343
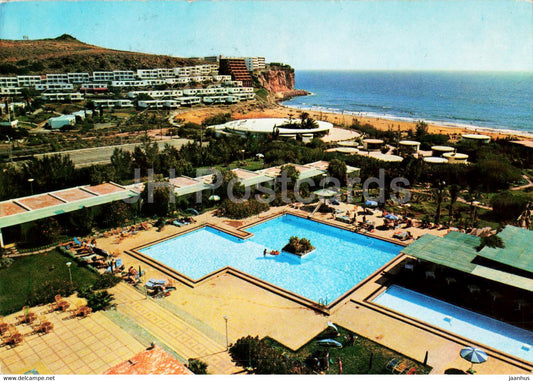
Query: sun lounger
392, 363
411, 371
400, 368
177, 223
155, 283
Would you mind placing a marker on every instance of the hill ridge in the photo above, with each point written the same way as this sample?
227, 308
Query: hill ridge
65, 53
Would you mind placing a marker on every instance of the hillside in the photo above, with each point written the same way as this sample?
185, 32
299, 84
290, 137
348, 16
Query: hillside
66, 54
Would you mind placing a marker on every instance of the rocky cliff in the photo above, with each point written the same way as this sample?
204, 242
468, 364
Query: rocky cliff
279, 82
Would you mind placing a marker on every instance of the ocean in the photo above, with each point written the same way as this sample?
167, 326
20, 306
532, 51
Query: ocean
496, 100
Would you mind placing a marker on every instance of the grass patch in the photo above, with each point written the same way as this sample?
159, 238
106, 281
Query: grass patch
355, 358
27, 274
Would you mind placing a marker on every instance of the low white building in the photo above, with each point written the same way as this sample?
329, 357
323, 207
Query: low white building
10, 90
94, 87
54, 86
61, 121
160, 103
55, 97
108, 103
156, 93
130, 83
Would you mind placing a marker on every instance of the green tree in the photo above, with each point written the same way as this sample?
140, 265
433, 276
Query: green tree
337, 169
507, 206
122, 163
197, 366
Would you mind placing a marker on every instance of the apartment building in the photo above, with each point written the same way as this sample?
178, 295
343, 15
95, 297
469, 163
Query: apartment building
94, 87
236, 67
8, 82
160, 103
255, 63
78, 77
103, 76
156, 93
54, 86
130, 83
55, 97
57, 78
10, 90
109, 103
28, 80
123, 75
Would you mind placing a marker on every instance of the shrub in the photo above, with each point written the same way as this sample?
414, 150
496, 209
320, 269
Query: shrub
298, 246
239, 210
197, 366
507, 206
106, 281
256, 355
97, 301
48, 290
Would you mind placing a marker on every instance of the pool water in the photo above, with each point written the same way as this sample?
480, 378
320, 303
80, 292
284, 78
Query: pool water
340, 261
470, 325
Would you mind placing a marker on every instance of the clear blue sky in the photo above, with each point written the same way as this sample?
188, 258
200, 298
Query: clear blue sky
357, 35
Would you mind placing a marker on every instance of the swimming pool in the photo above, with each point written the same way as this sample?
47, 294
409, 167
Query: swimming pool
470, 325
341, 259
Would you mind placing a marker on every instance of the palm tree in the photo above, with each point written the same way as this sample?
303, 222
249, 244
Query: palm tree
439, 191
454, 194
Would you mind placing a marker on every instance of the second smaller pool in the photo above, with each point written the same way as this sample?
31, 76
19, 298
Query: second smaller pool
493, 333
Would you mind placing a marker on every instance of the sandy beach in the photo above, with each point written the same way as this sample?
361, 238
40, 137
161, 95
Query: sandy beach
245, 111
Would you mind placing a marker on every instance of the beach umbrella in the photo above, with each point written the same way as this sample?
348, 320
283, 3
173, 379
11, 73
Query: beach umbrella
260, 155
214, 198
391, 217
331, 325
371, 203
325, 193
329, 343
191, 210
473, 355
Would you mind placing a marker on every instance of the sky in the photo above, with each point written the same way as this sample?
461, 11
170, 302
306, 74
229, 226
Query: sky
317, 34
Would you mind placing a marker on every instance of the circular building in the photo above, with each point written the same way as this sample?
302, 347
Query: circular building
347, 150
438, 151
477, 138
348, 143
409, 146
372, 144
387, 157
269, 125
435, 160
455, 158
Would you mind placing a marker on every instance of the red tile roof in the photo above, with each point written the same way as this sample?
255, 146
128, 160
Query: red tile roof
151, 361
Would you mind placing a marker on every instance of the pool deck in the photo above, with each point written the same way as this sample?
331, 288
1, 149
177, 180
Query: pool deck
190, 322
255, 310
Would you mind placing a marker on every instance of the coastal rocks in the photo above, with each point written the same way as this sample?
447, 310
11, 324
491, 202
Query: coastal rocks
279, 82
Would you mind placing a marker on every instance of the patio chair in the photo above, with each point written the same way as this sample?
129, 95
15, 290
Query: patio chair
43, 327
13, 340
400, 368
27, 316
392, 363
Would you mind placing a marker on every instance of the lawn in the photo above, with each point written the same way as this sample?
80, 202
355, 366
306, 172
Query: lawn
28, 274
364, 356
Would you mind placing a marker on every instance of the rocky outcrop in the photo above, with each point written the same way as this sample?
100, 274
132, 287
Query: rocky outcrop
279, 82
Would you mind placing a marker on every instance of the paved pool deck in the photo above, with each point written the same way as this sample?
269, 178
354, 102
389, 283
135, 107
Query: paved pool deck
254, 310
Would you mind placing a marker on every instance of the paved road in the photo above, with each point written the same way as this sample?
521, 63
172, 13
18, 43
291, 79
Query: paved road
102, 155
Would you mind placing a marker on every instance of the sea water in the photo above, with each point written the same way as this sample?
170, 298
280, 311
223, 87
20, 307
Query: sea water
502, 100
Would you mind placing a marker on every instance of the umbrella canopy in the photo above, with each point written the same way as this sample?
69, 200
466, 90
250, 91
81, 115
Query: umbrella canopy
391, 217
260, 155
325, 192
371, 203
331, 325
329, 343
473, 355
191, 210
214, 198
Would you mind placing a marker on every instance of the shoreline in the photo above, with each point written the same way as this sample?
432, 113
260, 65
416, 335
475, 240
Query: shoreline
254, 111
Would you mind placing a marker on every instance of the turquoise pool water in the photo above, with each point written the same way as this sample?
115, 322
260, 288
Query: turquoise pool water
341, 259
473, 326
